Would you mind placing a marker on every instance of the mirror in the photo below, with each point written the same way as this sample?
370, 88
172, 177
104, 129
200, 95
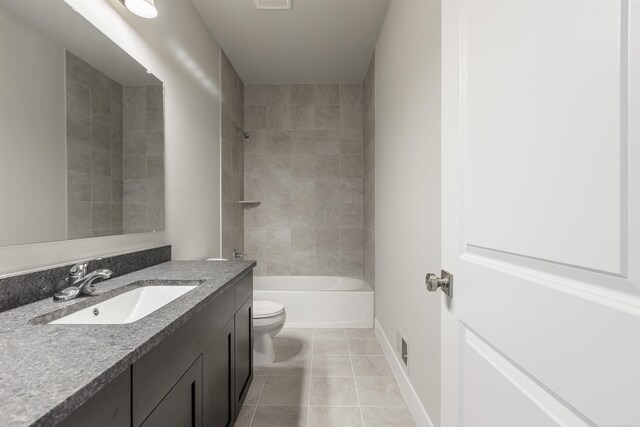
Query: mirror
81, 130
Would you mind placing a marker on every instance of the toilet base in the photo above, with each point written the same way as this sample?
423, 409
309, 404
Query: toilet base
263, 351
264, 329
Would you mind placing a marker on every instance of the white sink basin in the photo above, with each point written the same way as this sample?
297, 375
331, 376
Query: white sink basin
127, 307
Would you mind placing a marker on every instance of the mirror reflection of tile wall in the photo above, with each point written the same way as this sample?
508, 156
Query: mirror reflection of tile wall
94, 151
115, 154
143, 154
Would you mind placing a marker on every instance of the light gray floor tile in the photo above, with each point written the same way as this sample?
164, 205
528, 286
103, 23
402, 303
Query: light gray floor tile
364, 347
333, 391
245, 416
254, 391
326, 378
280, 416
331, 366
387, 417
322, 416
379, 392
291, 365
323, 334
361, 333
371, 366
336, 347
299, 333
285, 391
292, 345
260, 371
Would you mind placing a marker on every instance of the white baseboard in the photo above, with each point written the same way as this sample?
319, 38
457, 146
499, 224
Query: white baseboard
420, 415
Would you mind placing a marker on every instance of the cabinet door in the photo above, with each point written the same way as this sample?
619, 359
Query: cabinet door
218, 378
243, 351
182, 406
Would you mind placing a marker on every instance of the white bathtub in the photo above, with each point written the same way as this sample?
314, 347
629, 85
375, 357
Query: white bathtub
319, 301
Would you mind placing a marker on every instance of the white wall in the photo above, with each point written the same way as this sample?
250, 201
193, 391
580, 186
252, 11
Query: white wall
408, 188
32, 135
179, 50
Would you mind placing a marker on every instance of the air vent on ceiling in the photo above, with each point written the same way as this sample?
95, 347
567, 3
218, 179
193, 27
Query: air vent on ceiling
273, 4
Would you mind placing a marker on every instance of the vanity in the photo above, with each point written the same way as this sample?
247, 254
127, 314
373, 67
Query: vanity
188, 363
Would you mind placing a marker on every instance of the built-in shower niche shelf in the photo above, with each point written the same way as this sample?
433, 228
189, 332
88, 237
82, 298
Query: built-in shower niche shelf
250, 202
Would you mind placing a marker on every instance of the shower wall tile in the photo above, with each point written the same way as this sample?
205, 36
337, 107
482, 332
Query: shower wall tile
368, 169
234, 163
278, 117
326, 94
306, 167
278, 95
303, 263
303, 94
255, 95
327, 116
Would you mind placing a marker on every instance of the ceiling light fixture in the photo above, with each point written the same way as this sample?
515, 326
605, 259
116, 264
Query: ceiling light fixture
143, 8
274, 4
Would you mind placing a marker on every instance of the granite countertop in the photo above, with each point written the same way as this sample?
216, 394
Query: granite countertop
48, 371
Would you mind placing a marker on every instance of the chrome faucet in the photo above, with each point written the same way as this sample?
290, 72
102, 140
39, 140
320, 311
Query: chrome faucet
237, 255
82, 282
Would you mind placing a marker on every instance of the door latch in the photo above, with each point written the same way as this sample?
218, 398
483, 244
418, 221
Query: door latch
445, 282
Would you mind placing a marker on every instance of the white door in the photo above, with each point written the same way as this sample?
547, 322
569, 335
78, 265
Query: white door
541, 212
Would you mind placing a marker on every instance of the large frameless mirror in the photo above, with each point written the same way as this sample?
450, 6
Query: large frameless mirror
81, 130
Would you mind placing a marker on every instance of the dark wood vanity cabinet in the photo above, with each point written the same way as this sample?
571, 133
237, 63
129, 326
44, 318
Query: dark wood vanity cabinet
197, 376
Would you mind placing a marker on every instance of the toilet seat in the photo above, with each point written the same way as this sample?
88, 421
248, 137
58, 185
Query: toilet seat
263, 309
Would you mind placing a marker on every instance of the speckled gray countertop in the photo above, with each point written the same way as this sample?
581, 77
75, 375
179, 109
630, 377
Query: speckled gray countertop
48, 371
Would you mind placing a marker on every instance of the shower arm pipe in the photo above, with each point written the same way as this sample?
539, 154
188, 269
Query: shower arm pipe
242, 131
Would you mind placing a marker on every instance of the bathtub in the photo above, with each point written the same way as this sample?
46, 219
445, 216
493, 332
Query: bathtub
319, 301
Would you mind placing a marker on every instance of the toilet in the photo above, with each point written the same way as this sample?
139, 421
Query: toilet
268, 320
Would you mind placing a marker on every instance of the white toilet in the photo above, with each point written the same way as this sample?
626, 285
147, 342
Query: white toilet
268, 320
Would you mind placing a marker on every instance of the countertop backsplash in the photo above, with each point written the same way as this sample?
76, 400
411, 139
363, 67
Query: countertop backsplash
20, 289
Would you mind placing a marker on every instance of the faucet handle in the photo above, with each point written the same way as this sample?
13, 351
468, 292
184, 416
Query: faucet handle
79, 270
238, 254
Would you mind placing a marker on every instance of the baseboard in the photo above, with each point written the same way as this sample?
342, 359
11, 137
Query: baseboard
418, 411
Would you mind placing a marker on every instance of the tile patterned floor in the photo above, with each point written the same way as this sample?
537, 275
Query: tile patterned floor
325, 378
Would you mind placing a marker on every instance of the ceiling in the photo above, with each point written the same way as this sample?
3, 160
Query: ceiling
61, 23
318, 41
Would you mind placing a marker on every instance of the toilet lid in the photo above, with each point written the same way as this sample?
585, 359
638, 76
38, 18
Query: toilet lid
263, 308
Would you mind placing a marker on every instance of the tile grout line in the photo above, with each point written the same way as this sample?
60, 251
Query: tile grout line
313, 343
259, 397
355, 384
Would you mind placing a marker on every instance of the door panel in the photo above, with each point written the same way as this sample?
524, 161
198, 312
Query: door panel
489, 378
540, 207
243, 352
218, 378
543, 130
182, 406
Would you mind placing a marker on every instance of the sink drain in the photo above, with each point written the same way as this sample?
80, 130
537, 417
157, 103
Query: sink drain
96, 312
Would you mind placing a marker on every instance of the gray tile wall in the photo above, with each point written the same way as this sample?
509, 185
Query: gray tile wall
304, 162
232, 146
94, 151
369, 133
143, 159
